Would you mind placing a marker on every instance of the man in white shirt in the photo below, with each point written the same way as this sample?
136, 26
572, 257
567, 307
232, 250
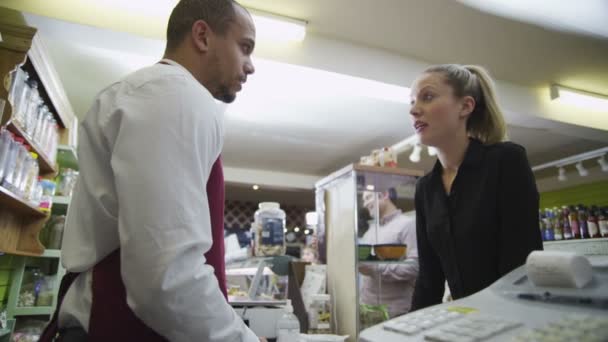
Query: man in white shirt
140, 240
389, 284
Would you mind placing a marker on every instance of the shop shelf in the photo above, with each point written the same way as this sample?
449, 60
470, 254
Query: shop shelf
13, 202
46, 165
34, 311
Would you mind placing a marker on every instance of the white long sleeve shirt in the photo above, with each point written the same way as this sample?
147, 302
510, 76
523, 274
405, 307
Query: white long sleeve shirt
146, 149
392, 284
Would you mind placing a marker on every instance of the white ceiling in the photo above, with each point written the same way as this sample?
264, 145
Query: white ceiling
296, 119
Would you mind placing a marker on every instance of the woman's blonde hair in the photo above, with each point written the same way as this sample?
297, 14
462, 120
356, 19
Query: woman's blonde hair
486, 123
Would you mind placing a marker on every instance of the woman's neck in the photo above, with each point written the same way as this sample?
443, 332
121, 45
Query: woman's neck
452, 153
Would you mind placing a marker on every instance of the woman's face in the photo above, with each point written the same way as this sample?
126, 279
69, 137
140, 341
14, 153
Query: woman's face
437, 115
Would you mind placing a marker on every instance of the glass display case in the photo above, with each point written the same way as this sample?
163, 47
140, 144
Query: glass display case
363, 213
260, 280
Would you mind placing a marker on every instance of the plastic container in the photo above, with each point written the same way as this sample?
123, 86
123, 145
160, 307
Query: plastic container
288, 326
56, 233
6, 140
319, 315
48, 191
31, 180
25, 169
14, 166
21, 100
270, 229
40, 124
31, 111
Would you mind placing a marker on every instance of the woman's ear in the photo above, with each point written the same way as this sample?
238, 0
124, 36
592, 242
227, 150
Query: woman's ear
467, 106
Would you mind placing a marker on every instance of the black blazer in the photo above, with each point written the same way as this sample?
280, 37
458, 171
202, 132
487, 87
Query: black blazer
483, 229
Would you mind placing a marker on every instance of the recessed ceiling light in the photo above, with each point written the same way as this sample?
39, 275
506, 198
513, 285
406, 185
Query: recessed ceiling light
256, 187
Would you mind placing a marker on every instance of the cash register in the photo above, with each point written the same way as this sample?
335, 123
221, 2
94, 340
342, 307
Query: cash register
547, 301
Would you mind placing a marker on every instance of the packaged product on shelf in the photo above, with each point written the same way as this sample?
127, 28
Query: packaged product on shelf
48, 191
26, 165
319, 315
66, 181
31, 111
15, 164
603, 222
270, 229
592, 223
36, 195
30, 287
582, 221
6, 140
56, 232
566, 223
31, 180
46, 293
21, 100
39, 124
576, 232
18, 79
558, 233
371, 315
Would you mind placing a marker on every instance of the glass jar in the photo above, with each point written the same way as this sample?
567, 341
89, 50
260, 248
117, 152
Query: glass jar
269, 221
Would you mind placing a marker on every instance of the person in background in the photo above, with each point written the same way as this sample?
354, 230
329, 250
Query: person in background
397, 279
144, 237
309, 254
477, 210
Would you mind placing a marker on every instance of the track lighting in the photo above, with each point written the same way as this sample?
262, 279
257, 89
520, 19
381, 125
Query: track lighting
581, 170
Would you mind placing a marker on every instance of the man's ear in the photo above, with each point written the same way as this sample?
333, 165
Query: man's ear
200, 35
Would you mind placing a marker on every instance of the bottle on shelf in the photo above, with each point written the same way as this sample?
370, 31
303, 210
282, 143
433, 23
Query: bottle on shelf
592, 223
566, 223
558, 232
15, 164
603, 222
549, 233
582, 221
576, 232
31, 180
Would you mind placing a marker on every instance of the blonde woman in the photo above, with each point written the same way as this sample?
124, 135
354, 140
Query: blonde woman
477, 210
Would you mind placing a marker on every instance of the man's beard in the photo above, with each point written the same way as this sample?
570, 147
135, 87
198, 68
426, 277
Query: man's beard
225, 95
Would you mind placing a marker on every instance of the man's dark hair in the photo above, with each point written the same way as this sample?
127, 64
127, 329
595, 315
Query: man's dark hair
218, 14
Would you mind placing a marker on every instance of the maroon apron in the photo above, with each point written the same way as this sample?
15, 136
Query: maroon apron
111, 318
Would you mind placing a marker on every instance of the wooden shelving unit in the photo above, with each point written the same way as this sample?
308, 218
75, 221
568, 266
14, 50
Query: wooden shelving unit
21, 47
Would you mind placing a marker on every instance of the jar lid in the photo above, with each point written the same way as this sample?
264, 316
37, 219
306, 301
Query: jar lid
269, 205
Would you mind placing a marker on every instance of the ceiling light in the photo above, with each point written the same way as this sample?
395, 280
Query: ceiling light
415, 156
579, 98
278, 28
296, 229
307, 231
256, 187
370, 188
284, 230
603, 163
581, 170
432, 151
561, 176
312, 218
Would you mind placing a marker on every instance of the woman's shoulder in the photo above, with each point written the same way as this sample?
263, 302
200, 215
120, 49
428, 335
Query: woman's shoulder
505, 150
